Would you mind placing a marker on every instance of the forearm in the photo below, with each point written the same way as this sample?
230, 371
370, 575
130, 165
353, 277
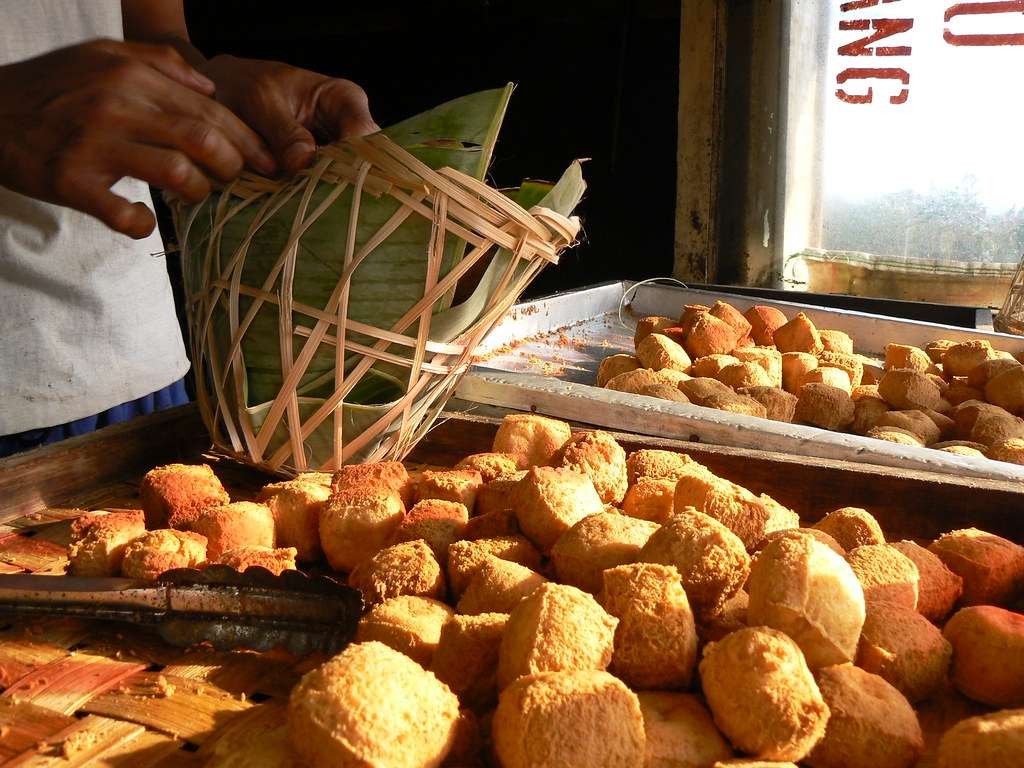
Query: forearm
161, 22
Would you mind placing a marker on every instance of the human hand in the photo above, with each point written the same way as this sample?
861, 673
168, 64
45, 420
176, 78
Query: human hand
76, 120
291, 108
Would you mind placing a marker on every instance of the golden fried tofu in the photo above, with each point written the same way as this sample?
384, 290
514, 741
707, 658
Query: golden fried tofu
466, 657
701, 390
533, 440
371, 705
650, 499
549, 501
814, 533
648, 325
832, 376
992, 568
993, 740
798, 335
980, 374
437, 522
690, 314
960, 358
660, 465
916, 422
357, 522
598, 456
496, 496
490, 525
895, 435
710, 336
904, 389
848, 363
558, 719
99, 539
852, 527
938, 587
945, 424
634, 382
961, 448
465, 557
1006, 389
377, 476
680, 732
172, 495
295, 506
663, 392
821, 405
796, 366
886, 574
656, 639
908, 358
498, 586
768, 358
613, 365
779, 404
241, 524
458, 485
409, 568
557, 628
596, 543
408, 624
991, 429
988, 654
491, 466
764, 321
866, 412
906, 649
711, 559
657, 351
164, 549
748, 516
801, 587
1011, 451
871, 724
745, 374
781, 714
277, 561
711, 365
835, 341
729, 314
734, 403
936, 349
958, 392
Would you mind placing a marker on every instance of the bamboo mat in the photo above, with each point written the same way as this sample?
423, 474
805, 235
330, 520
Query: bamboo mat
80, 693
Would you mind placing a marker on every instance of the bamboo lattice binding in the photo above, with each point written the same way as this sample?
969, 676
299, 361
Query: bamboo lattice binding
277, 272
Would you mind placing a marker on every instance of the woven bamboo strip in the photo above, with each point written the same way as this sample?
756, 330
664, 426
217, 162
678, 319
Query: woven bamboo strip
66, 684
455, 206
173, 705
23, 725
256, 737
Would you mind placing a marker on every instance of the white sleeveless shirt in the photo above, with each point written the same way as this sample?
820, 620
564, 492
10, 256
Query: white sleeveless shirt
87, 317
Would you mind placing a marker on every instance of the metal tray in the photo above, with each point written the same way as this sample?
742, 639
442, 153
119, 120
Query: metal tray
544, 356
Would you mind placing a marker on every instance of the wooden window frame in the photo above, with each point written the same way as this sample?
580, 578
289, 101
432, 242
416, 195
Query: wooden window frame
751, 109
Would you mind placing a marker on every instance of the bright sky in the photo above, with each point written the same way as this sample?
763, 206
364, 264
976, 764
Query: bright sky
965, 114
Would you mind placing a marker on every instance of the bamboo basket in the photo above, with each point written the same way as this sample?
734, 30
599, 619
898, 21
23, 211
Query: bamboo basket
310, 351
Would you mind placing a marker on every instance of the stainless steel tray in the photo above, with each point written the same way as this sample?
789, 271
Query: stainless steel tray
544, 355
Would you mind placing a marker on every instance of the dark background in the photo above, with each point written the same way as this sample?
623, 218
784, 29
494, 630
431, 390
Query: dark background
596, 79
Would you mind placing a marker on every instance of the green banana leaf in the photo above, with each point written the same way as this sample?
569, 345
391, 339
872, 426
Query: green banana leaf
459, 134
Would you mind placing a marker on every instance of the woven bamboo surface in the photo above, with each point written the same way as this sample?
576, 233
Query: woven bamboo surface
81, 693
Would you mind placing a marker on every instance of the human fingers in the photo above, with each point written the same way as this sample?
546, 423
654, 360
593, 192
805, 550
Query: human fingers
93, 197
168, 169
202, 142
343, 110
173, 99
164, 59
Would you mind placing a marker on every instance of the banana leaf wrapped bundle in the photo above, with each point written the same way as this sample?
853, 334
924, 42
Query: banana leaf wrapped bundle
324, 326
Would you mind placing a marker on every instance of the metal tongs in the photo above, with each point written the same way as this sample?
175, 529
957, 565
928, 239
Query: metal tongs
217, 604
